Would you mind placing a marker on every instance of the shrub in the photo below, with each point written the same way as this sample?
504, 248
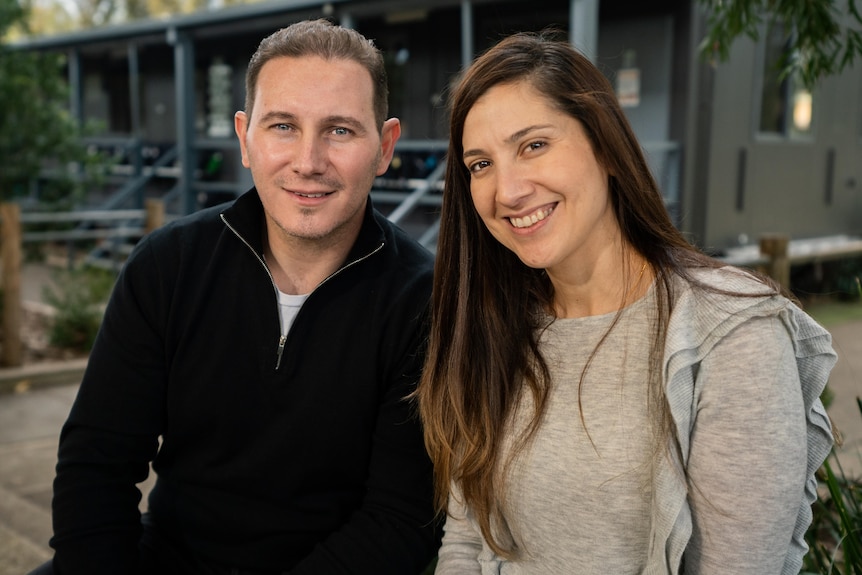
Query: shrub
836, 280
835, 534
79, 300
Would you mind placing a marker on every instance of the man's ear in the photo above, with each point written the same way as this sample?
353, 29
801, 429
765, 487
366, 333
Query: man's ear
388, 137
240, 126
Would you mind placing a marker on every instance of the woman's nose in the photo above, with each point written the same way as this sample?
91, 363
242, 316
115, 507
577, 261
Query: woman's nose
512, 185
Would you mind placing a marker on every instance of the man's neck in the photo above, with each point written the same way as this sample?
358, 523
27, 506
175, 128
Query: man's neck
299, 265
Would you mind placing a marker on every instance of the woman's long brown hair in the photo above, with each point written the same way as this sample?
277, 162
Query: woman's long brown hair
488, 307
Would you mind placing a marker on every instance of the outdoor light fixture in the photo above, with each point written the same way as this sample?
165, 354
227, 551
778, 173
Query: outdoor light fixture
802, 110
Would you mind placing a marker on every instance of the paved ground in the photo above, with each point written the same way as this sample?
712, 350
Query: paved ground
35, 405
29, 426
846, 383
30, 422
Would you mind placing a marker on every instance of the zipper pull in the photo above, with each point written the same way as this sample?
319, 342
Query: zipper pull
281, 341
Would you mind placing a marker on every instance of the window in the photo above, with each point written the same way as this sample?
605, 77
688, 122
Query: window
786, 106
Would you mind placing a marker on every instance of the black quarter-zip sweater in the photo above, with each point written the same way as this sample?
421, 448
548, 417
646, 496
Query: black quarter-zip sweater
300, 456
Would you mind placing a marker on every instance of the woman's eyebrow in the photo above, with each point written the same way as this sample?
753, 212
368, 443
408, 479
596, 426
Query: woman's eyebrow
514, 137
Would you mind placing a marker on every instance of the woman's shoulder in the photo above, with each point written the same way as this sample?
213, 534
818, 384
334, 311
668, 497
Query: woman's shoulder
728, 280
708, 303
714, 292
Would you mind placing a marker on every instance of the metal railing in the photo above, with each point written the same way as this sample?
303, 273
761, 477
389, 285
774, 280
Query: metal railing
116, 230
84, 216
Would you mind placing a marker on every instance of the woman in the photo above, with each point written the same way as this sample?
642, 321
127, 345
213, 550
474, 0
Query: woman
599, 396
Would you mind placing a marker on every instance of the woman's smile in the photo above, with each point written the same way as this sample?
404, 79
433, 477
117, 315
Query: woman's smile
530, 220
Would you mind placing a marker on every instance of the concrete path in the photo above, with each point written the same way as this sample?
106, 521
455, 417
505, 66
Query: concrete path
845, 381
29, 428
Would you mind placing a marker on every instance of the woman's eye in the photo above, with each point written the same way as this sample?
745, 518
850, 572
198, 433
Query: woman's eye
478, 166
536, 145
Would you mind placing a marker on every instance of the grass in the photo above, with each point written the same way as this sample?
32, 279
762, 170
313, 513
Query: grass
835, 312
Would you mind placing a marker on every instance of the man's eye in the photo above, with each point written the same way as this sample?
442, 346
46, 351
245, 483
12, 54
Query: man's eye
341, 131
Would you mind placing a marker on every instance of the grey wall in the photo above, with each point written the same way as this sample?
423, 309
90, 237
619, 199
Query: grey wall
784, 181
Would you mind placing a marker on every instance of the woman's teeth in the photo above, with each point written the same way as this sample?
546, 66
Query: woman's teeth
528, 221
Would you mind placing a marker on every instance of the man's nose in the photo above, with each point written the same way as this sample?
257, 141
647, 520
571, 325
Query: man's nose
310, 156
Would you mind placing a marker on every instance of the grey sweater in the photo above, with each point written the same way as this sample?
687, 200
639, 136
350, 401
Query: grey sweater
743, 378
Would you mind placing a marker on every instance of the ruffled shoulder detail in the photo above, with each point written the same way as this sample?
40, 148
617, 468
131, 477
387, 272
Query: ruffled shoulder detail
700, 319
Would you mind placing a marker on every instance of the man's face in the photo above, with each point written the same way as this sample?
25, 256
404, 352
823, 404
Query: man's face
314, 148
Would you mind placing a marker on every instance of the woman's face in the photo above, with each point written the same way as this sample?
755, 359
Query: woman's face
535, 181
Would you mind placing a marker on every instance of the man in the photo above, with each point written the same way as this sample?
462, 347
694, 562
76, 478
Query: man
260, 354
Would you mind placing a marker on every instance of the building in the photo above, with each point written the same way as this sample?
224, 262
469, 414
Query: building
737, 151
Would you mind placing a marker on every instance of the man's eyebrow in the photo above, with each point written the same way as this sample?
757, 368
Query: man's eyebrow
346, 121
514, 137
276, 116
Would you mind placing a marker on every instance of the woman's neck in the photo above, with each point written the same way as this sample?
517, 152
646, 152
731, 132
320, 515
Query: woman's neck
609, 285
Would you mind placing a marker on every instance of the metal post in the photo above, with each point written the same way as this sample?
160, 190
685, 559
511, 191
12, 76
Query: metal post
76, 97
584, 26
184, 80
135, 119
467, 48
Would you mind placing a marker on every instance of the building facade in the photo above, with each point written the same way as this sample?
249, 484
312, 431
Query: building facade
737, 150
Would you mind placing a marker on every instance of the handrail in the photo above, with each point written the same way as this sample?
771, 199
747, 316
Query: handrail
76, 215
79, 233
71, 235
133, 186
413, 197
429, 238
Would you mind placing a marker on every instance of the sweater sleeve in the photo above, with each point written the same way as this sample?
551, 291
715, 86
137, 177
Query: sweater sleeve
747, 465
108, 440
461, 549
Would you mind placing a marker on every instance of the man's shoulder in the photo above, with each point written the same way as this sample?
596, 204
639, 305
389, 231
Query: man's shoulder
187, 226
405, 248
183, 239
406, 267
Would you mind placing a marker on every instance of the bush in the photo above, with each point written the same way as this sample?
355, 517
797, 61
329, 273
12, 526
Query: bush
837, 280
835, 534
79, 303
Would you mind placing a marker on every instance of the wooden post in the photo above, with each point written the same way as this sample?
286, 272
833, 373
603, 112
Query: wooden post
775, 247
155, 214
10, 224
